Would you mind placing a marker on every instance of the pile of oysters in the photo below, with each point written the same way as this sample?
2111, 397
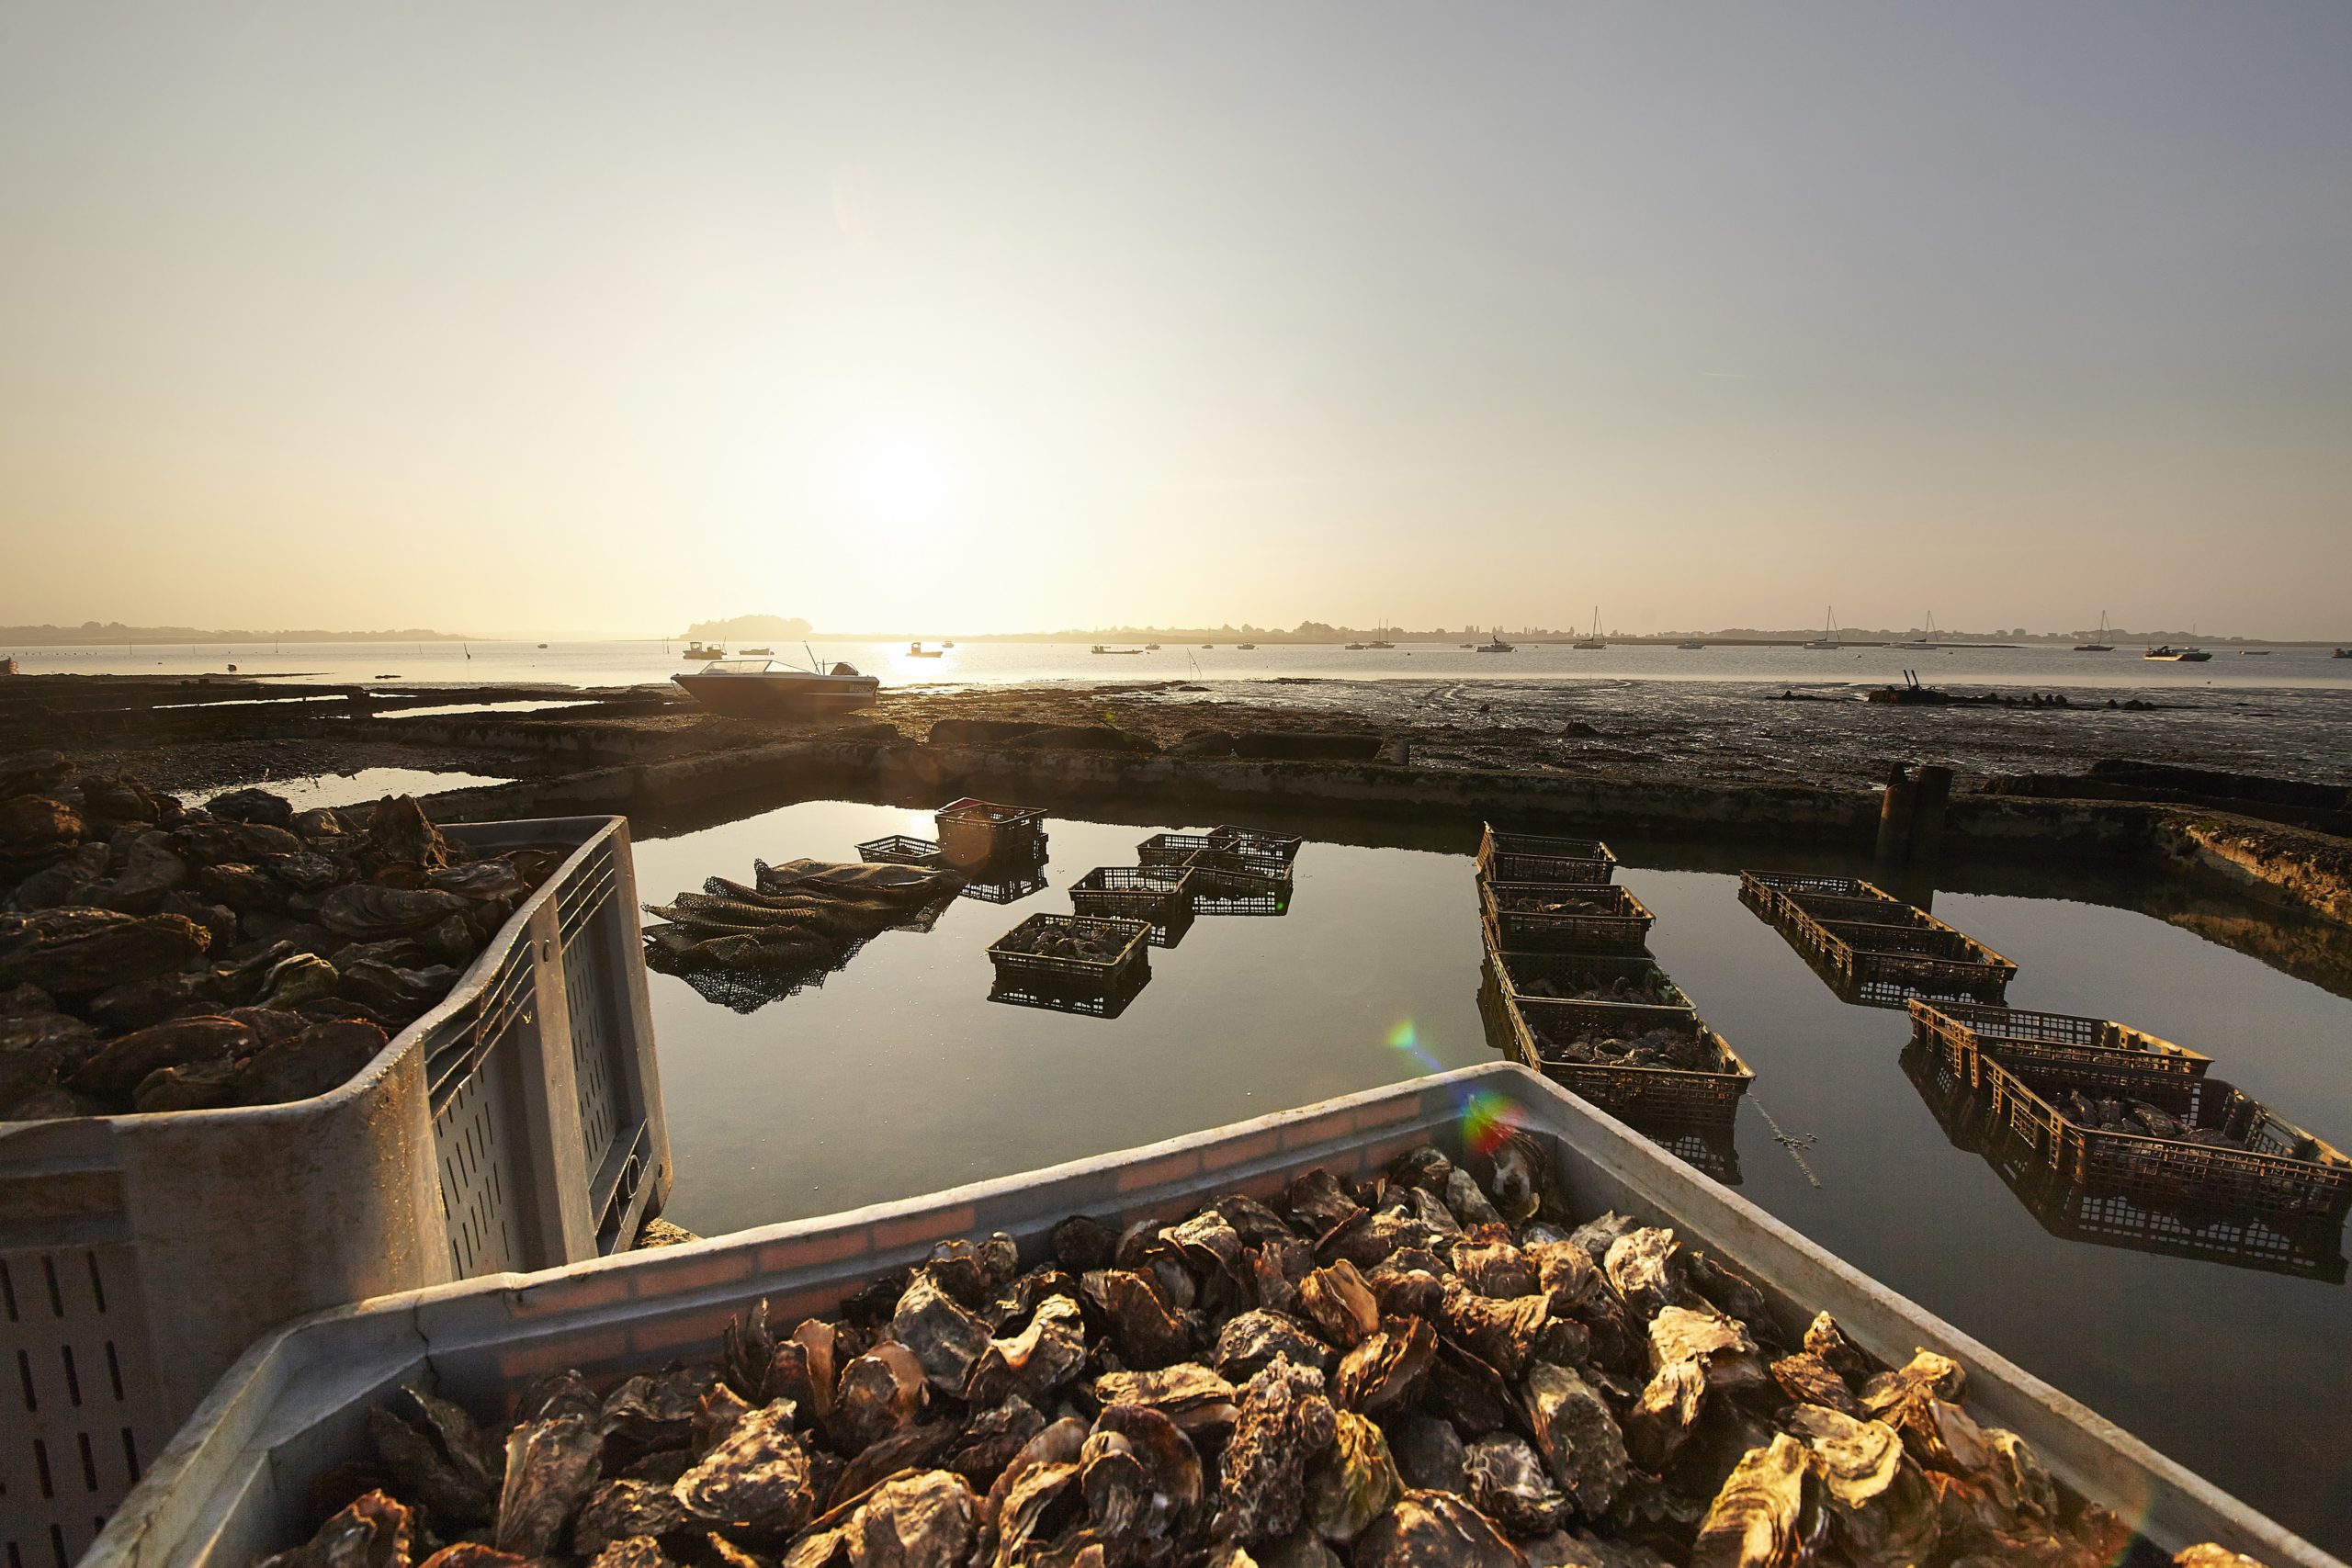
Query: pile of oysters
158, 957
1423, 1369
1688, 1048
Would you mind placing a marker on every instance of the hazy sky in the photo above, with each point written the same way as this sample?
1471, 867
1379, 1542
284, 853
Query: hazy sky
552, 318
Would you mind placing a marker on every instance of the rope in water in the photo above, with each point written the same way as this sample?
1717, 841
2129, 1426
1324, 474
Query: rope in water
1795, 1142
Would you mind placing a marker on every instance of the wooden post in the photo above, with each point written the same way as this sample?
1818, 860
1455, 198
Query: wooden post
1894, 819
1931, 794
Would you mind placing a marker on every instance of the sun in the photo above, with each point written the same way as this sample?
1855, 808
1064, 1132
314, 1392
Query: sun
900, 482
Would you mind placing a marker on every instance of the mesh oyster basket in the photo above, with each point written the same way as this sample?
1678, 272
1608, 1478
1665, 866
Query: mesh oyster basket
1068, 974
1666, 1092
1537, 857
1535, 917
901, 848
1159, 894
1963, 1033
1557, 977
975, 833
2272, 1166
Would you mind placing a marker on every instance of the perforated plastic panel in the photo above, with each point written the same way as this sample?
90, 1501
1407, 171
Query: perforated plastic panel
80, 1412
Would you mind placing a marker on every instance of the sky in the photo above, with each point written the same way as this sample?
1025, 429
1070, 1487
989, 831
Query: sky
571, 319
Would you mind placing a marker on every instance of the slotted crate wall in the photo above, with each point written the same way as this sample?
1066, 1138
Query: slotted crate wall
517, 1125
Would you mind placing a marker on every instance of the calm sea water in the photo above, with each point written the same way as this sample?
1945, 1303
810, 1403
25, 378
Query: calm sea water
898, 1076
630, 663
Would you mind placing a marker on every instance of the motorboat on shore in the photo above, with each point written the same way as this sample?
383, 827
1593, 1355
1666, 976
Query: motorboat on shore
766, 688
2171, 655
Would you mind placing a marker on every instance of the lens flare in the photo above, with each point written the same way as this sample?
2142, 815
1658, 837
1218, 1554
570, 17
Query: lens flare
1488, 1118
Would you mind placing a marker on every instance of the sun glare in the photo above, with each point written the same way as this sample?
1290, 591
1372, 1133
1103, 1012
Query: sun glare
900, 482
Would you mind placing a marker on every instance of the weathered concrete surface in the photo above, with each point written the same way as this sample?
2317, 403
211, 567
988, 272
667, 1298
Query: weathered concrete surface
2311, 869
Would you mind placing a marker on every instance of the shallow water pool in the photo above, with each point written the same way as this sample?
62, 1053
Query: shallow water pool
898, 1076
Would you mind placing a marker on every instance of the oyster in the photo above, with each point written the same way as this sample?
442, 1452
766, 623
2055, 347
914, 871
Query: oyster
323, 1056
1434, 1530
1251, 1341
879, 1393
922, 1520
1578, 1438
1641, 1265
1148, 1332
990, 1439
1386, 1368
1753, 1521
1188, 1394
1497, 1268
619, 1510
1140, 1476
1285, 1422
1428, 1453
1504, 1334
373, 1531
1806, 1378
946, 1338
757, 1476
550, 1465
1353, 1482
364, 911
1032, 1363
435, 1454
1337, 1300
1509, 1485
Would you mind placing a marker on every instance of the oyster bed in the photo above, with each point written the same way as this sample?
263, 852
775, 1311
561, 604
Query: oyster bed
156, 957
1652, 988
1425, 1368
1687, 1048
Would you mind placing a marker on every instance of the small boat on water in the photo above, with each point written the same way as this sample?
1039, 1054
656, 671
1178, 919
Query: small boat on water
917, 651
1247, 647
2342, 653
2097, 644
1496, 644
1596, 640
2171, 655
1829, 637
695, 650
1697, 645
764, 688
2253, 652
1100, 649
748, 653
1357, 647
1926, 639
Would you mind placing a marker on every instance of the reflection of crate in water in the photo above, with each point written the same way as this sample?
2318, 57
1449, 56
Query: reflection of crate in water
1158, 893
1109, 1004
1006, 890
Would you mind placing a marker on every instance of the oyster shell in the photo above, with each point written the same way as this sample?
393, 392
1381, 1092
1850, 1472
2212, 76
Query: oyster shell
1497, 1268
1251, 1341
433, 1452
550, 1465
1285, 1422
1032, 1363
1578, 1437
1753, 1521
1434, 1530
1388, 1367
1507, 1482
990, 1439
879, 1392
373, 1531
1140, 1476
1640, 1264
1806, 1378
1338, 1300
1188, 1394
1428, 1453
1148, 1332
944, 1336
1353, 1482
923, 1521
757, 1476
620, 1510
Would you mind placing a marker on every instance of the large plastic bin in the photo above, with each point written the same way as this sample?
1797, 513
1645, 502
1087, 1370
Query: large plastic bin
517, 1125
231, 1484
